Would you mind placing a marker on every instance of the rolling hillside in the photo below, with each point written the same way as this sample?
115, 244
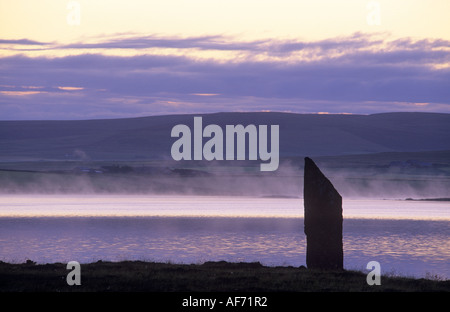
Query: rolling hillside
149, 138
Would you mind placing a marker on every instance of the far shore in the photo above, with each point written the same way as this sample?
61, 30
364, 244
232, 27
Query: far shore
430, 199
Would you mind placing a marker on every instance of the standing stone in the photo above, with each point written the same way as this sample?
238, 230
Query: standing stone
323, 220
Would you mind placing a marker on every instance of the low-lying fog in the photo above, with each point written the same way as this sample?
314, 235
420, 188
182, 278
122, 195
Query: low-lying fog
288, 181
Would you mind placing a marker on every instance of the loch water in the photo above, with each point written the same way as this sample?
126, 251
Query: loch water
407, 238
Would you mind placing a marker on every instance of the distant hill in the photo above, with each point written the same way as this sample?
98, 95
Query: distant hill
149, 137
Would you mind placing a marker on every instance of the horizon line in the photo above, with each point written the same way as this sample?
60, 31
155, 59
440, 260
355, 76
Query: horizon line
230, 112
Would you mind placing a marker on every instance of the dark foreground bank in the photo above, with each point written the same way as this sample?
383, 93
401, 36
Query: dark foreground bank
138, 276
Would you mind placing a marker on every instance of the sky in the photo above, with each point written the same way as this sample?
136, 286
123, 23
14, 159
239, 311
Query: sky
91, 59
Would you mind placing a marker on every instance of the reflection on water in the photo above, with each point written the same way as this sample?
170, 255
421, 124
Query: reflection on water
186, 240
407, 247
408, 238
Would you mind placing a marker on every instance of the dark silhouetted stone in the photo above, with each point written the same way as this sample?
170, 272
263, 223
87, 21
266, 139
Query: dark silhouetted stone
323, 220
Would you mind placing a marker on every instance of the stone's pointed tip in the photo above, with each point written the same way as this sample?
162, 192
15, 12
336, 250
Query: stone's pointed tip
309, 162
311, 165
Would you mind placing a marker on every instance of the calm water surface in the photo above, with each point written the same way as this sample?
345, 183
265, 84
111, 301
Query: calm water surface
406, 237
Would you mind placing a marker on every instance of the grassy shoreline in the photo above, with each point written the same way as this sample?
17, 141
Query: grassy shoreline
140, 276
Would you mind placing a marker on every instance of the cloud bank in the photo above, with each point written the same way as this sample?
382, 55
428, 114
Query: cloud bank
131, 75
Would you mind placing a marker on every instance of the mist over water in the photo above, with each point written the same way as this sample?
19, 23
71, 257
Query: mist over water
390, 186
287, 181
